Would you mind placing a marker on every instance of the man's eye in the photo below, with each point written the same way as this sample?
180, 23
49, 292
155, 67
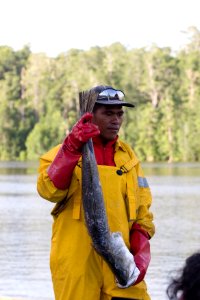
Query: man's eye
108, 113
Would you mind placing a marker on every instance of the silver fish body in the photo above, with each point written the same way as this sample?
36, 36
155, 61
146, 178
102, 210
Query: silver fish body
104, 242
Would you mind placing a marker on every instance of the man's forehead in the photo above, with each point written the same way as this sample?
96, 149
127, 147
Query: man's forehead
112, 107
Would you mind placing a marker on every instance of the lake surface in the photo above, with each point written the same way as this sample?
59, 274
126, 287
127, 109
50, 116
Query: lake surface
25, 228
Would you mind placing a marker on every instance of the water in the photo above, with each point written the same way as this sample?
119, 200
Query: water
176, 212
25, 232
25, 228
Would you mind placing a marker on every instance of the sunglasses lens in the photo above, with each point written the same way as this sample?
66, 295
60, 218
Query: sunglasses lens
111, 94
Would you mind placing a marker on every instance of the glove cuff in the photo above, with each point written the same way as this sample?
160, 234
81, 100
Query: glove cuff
61, 169
140, 248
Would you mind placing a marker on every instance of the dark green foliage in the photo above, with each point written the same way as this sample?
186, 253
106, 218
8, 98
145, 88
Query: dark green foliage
39, 98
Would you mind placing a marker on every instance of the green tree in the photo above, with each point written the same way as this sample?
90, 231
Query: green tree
11, 65
46, 134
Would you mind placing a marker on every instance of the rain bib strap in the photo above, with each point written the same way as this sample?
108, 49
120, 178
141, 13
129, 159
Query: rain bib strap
77, 200
126, 168
77, 208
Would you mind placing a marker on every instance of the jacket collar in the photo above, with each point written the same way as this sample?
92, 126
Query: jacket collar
119, 145
98, 141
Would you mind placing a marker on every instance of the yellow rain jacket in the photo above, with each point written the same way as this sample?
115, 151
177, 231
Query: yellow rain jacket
78, 272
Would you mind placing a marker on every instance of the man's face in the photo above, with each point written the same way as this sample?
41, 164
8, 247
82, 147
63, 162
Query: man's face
109, 120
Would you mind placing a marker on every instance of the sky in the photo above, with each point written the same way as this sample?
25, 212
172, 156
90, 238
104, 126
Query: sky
55, 26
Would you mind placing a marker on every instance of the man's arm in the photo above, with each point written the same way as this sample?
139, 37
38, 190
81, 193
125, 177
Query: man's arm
45, 186
140, 248
143, 229
56, 169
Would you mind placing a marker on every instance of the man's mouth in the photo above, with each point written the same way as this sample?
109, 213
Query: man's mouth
114, 129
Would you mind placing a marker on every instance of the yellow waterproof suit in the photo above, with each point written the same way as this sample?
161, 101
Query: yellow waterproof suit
78, 272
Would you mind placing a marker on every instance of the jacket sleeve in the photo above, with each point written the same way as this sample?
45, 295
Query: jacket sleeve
143, 228
45, 186
144, 216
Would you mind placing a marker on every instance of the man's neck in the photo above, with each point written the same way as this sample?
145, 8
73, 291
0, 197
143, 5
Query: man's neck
101, 140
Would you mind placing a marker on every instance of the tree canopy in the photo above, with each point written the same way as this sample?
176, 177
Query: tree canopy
39, 98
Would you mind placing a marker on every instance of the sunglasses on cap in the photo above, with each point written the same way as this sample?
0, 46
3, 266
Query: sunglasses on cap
112, 97
111, 94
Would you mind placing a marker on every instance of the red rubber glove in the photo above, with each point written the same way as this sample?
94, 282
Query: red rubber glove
140, 248
82, 131
61, 169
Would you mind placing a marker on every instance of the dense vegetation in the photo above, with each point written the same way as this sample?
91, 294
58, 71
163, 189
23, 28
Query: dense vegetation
39, 98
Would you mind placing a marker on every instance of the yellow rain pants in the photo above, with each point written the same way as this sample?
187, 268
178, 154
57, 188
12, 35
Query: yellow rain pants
78, 272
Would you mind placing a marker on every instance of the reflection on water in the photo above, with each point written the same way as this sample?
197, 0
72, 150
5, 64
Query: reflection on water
24, 239
18, 167
176, 212
25, 224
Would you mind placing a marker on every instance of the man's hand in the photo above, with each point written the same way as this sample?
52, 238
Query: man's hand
140, 248
61, 169
81, 132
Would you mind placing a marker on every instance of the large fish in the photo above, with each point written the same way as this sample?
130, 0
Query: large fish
106, 243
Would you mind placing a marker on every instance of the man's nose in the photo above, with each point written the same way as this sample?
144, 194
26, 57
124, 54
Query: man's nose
115, 118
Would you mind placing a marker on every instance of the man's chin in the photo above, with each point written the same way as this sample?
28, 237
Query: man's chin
109, 137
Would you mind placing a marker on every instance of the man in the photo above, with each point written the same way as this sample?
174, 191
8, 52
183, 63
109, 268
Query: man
78, 271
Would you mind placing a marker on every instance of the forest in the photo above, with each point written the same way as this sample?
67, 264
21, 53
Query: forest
39, 98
